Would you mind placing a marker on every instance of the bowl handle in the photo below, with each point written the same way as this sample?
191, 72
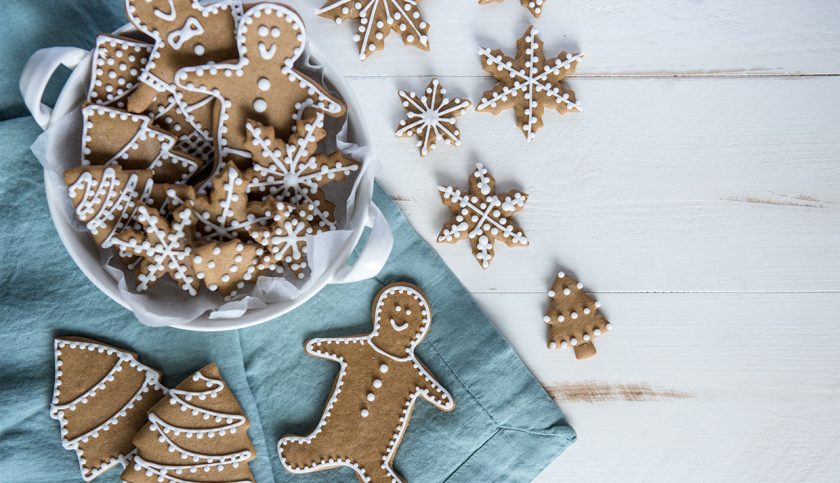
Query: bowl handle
374, 254
37, 73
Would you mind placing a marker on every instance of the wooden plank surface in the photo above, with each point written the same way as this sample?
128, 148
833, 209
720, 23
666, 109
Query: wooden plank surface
698, 196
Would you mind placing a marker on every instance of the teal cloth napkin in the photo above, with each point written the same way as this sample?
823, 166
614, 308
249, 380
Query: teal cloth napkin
504, 428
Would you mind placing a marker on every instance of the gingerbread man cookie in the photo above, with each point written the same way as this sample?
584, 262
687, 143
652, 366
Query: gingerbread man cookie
185, 33
374, 394
263, 85
529, 83
100, 398
198, 433
483, 216
378, 18
573, 317
432, 117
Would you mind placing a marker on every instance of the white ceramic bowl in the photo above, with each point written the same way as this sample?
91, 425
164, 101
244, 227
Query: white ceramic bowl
86, 253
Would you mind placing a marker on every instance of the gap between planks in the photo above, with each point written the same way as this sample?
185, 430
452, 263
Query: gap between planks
629, 75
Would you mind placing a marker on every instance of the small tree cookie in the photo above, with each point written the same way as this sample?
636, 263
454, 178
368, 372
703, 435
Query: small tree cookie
374, 394
100, 397
529, 83
226, 266
199, 433
431, 117
573, 317
483, 216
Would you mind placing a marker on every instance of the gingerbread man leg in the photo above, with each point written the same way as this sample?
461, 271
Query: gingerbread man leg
299, 455
375, 473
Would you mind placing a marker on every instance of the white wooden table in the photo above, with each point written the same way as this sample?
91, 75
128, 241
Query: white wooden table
697, 195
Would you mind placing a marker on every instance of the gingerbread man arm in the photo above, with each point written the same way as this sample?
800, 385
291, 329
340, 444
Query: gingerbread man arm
332, 348
432, 390
202, 79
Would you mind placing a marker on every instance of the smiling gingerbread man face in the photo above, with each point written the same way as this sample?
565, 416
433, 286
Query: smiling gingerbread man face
401, 318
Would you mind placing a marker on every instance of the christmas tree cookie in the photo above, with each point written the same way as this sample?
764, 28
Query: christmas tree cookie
374, 394
100, 398
198, 433
573, 317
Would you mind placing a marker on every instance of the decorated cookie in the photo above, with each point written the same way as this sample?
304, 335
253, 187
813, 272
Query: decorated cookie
483, 216
100, 398
529, 83
535, 6
116, 65
106, 198
573, 317
378, 18
226, 266
431, 117
374, 394
199, 433
291, 171
264, 84
221, 214
166, 198
114, 137
165, 248
284, 238
185, 33
188, 116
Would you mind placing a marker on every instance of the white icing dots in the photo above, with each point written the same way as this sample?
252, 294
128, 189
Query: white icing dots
383, 368
264, 84
260, 105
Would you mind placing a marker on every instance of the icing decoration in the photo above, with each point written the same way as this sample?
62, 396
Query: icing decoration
265, 28
226, 267
378, 18
184, 33
189, 117
284, 239
431, 117
379, 380
573, 317
115, 65
291, 171
165, 249
106, 198
114, 137
529, 83
168, 197
535, 6
100, 398
482, 215
222, 215
198, 433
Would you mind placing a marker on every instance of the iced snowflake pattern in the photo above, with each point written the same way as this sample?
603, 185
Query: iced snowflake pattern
482, 215
529, 83
432, 117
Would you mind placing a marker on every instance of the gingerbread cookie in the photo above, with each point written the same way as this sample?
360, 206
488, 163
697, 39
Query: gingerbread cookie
529, 83
226, 266
100, 398
284, 238
199, 433
221, 214
111, 136
535, 6
165, 248
105, 198
374, 394
573, 317
291, 171
378, 18
432, 117
483, 216
169, 197
116, 64
264, 84
185, 33
189, 117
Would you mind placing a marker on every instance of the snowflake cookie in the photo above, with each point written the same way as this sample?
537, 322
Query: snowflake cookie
573, 317
90, 377
483, 216
198, 433
185, 33
529, 83
165, 248
378, 18
106, 198
291, 171
535, 6
373, 397
264, 84
431, 117
114, 137
284, 238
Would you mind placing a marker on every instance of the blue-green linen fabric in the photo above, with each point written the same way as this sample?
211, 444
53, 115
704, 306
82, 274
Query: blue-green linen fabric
504, 428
